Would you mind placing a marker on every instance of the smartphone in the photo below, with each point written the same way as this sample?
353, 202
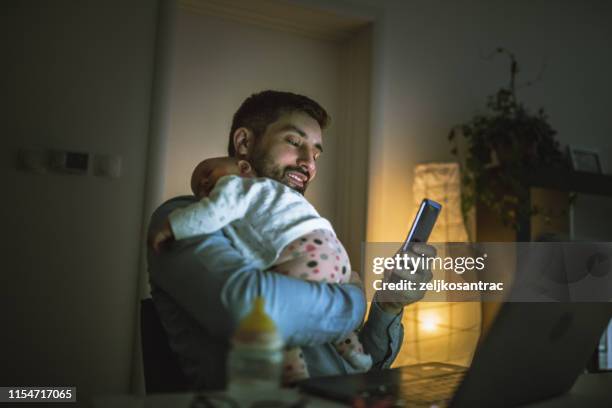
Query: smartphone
423, 222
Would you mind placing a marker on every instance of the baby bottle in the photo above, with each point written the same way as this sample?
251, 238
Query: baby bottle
256, 358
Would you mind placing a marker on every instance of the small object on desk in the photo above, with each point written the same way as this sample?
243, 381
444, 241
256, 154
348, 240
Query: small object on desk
254, 363
284, 398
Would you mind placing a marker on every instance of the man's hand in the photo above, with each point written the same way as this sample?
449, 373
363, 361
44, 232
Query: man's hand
355, 279
163, 235
394, 301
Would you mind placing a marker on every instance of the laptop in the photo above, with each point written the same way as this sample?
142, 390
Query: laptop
532, 352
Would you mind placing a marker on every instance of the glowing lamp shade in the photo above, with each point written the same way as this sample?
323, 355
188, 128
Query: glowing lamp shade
440, 331
429, 322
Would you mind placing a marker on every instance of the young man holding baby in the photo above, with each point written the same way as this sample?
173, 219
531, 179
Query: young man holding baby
203, 283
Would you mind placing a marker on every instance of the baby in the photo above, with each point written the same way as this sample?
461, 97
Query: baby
271, 225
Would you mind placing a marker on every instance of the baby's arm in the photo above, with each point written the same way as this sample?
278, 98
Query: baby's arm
231, 199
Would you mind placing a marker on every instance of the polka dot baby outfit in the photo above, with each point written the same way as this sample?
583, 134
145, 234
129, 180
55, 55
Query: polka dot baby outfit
319, 256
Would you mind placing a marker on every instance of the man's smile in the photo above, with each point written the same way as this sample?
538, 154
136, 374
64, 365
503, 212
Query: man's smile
297, 178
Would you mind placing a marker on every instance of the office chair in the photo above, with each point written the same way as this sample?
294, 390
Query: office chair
162, 370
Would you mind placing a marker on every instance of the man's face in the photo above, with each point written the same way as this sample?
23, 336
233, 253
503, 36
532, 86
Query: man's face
288, 150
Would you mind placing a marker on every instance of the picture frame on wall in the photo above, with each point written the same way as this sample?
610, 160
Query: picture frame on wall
585, 159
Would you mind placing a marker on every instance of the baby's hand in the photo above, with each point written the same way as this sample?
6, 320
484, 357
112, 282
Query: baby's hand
163, 235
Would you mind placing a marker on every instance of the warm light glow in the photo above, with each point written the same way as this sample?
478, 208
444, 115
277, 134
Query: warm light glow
429, 323
442, 331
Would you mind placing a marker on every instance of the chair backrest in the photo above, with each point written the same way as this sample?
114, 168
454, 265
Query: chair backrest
162, 370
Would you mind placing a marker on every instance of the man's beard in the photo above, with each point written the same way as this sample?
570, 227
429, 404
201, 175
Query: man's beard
265, 167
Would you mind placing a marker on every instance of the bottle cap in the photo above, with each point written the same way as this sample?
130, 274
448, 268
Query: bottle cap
257, 329
257, 320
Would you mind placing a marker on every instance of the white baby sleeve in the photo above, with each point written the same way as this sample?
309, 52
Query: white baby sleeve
228, 201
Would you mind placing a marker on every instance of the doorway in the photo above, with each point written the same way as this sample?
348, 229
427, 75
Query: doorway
226, 50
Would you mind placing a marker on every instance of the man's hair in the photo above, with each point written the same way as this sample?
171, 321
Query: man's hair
263, 108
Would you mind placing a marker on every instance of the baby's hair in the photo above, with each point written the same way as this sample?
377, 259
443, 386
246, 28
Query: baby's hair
244, 167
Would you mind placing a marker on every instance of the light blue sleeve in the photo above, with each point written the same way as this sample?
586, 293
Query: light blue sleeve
382, 336
210, 280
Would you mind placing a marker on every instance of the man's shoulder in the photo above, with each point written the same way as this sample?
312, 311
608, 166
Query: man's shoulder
176, 202
161, 213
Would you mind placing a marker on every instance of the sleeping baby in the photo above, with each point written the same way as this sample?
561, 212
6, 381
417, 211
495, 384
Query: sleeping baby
271, 225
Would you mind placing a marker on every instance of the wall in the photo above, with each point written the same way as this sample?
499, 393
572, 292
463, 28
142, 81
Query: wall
78, 78
218, 64
432, 71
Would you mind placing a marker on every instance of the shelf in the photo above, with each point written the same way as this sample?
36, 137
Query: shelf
568, 180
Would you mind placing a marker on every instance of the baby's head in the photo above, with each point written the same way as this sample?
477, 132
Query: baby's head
207, 172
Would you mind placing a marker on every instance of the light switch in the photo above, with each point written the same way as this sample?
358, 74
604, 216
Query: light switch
69, 162
107, 165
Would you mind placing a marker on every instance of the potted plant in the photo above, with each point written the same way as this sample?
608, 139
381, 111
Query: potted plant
503, 145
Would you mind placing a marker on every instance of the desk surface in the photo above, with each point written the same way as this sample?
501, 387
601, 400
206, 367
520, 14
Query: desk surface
590, 390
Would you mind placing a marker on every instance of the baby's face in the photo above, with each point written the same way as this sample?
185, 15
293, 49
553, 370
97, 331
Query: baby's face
207, 173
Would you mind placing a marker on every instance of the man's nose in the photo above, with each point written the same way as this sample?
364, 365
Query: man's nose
307, 161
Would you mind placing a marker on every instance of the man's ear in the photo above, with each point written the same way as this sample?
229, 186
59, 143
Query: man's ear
245, 168
244, 140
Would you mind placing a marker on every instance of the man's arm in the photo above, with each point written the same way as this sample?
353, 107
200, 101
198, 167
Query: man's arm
212, 282
383, 333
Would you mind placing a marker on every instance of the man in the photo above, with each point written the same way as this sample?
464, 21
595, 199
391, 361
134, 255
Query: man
202, 286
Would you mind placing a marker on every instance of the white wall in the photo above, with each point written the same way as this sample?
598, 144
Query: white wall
430, 74
78, 78
218, 64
